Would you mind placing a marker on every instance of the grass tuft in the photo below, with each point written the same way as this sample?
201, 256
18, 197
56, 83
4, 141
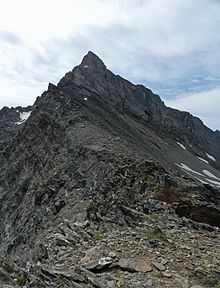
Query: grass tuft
153, 235
21, 280
97, 237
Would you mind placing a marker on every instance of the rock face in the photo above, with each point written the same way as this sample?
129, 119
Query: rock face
140, 103
103, 160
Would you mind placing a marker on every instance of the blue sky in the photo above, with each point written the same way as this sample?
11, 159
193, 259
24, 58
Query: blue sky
170, 46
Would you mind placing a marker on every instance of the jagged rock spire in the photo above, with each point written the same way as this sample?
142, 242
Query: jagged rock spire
92, 61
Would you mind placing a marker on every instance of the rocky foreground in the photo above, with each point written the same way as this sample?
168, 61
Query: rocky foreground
161, 250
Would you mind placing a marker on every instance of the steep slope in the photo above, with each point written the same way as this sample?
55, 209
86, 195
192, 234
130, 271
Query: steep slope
97, 148
139, 103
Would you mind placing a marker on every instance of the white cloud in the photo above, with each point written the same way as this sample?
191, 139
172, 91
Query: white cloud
17, 94
40, 19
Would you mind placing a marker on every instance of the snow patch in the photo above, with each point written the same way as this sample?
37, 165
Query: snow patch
86, 66
181, 145
186, 168
213, 182
203, 160
203, 182
197, 175
23, 117
208, 173
210, 157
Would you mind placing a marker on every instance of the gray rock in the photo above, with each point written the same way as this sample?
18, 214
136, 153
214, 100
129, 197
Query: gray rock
149, 283
112, 254
137, 264
167, 275
99, 264
61, 241
97, 258
159, 266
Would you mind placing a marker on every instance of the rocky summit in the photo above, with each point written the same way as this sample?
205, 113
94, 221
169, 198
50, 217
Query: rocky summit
102, 185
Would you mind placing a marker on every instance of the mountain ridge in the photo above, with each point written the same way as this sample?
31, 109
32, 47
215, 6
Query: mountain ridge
98, 155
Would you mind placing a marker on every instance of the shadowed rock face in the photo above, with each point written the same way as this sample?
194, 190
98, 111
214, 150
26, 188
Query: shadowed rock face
92, 74
99, 148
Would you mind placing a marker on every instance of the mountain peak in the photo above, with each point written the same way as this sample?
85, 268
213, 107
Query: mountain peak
96, 154
91, 60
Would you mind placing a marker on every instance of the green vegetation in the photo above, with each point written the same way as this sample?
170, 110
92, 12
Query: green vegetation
158, 274
97, 237
140, 167
153, 235
21, 280
148, 217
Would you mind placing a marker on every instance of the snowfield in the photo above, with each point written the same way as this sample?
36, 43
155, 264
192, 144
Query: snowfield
199, 176
208, 173
203, 160
184, 167
23, 117
210, 157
